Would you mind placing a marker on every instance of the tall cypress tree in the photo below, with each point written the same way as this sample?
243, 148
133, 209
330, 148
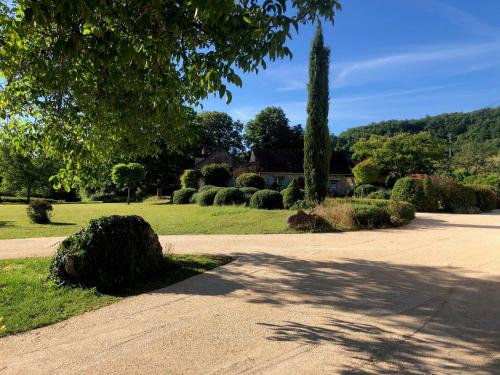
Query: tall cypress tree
317, 147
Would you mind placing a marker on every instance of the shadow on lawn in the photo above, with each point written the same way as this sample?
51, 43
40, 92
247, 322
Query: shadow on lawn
5, 223
406, 312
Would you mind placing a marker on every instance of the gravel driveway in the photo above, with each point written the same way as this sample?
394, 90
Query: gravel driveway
424, 299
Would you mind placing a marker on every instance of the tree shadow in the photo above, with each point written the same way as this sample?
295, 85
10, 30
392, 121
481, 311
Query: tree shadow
55, 223
6, 224
428, 223
414, 319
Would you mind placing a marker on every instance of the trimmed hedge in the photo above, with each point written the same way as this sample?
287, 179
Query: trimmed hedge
292, 194
206, 197
207, 187
215, 174
370, 216
190, 178
267, 199
229, 196
248, 192
486, 197
363, 190
38, 211
250, 180
379, 194
409, 189
183, 196
109, 253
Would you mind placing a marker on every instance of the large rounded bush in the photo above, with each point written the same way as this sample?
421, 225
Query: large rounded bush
409, 189
486, 197
207, 187
454, 197
183, 196
267, 199
292, 194
250, 180
215, 174
39, 211
190, 178
229, 196
370, 216
109, 253
364, 190
248, 192
379, 194
206, 197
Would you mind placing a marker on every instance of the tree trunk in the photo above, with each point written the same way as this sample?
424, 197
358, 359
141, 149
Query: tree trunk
28, 193
128, 194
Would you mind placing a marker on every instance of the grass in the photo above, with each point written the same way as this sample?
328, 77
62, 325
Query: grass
164, 218
29, 300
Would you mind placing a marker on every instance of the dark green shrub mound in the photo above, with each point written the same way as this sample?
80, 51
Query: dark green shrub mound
248, 192
400, 213
215, 174
190, 179
267, 199
409, 189
364, 190
206, 197
229, 196
250, 180
486, 198
207, 187
39, 211
109, 253
379, 194
430, 201
368, 216
292, 194
454, 197
183, 196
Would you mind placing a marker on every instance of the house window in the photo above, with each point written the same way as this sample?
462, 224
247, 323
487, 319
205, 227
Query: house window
279, 180
333, 185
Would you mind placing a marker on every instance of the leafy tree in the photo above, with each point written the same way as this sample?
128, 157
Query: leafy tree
368, 171
93, 77
127, 175
271, 129
216, 174
217, 130
190, 178
402, 154
317, 143
473, 158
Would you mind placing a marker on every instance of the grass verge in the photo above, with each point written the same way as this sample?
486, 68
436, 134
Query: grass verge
29, 300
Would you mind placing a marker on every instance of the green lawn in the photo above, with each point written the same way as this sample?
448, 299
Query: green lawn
164, 218
29, 300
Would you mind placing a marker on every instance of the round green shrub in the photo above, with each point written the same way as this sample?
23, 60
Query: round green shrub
206, 197
190, 178
229, 196
248, 192
39, 211
207, 187
183, 196
250, 180
486, 198
409, 189
215, 174
401, 213
109, 253
267, 199
291, 194
368, 216
454, 197
364, 190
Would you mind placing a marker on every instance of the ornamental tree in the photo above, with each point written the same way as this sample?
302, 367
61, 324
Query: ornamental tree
128, 175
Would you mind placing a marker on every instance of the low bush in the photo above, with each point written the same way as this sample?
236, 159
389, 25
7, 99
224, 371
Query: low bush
309, 222
302, 204
368, 216
364, 190
400, 213
430, 201
206, 197
248, 192
291, 194
190, 178
183, 196
267, 199
229, 196
250, 180
486, 197
109, 253
38, 211
409, 189
207, 187
195, 197
215, 174
452, 196
379, 194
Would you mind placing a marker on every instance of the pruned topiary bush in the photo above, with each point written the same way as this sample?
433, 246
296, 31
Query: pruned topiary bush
369, 216
109, 253
292, 194
267, 199
190, 178
248, 192
363, 190
38, 211
215, 174
486, 198
229, 196
250, 180
183, 196
379, 194
206, 197
409, 189
207, 187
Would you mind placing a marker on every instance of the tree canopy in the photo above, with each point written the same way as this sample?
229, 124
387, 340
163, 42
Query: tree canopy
271, 129
217, 130
88, 77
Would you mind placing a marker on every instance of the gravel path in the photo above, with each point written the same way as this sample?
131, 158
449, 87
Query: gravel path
417, 300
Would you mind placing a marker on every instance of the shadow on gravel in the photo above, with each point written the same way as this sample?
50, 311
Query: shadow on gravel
429, 307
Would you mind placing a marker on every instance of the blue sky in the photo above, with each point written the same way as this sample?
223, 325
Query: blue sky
390, 59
